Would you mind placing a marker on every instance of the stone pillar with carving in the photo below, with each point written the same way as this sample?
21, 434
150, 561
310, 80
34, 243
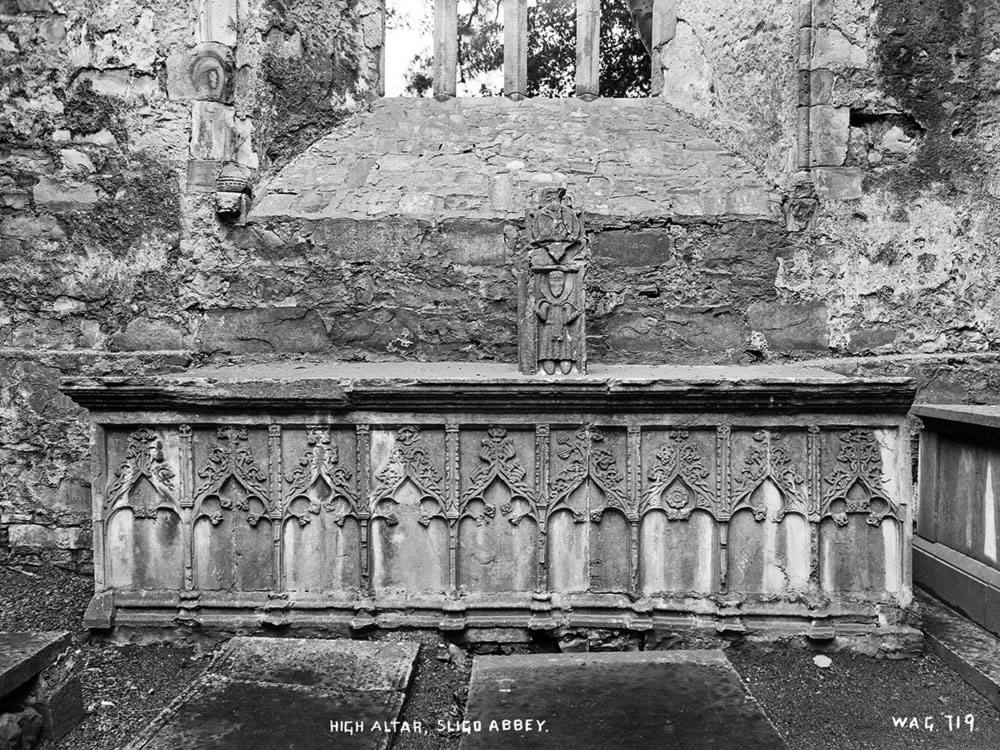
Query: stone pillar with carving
551, 300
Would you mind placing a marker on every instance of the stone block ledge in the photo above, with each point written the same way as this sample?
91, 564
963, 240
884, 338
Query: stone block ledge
461, 387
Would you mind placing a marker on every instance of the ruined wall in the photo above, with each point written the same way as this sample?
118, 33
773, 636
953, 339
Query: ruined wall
735, 72
889, 153
873, 120
109, 147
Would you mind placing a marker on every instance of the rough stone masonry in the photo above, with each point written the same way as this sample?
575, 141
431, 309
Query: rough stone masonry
839, 158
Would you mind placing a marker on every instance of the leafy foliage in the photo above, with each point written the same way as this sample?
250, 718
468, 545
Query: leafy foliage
625, 63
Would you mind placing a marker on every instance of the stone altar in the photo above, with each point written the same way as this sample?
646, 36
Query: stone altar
458, 495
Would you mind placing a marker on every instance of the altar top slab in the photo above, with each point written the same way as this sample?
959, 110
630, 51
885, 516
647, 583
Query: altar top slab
463, 387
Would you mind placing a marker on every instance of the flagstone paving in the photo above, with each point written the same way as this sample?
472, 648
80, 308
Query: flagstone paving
688, 700
289, 693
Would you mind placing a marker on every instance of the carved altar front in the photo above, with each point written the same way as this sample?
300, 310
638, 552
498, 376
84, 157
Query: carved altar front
464, 497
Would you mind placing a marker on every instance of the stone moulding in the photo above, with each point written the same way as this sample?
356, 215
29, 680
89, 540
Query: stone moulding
466, 497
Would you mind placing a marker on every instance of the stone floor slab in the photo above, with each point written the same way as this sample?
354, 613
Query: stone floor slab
25, 655
288, 694
970, 650
688, 700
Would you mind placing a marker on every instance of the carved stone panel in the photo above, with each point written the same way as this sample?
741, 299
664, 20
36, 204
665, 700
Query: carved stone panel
854, 476
467, 520
552, 302
409, 510
769, 544
233, 534
678, 531
589, 510
498, 511
321, 548
144, 539
860, 528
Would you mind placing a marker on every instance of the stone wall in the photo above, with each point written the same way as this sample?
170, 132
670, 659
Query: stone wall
868, 121
109, 145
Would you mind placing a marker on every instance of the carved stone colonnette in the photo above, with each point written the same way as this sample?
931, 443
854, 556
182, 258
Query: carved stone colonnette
469, 512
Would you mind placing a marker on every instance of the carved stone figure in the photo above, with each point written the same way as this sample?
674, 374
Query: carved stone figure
556, 314
552, 290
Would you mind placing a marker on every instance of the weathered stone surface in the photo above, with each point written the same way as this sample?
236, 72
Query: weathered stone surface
205, 73
867, 339
839, 183
494, 172
217, 22
690, 699
833, 49
57, 195
968, 649
276, 329
25, 655
255, 679
19, 730
31, 535
143, 334
828, 134
212, 131
791, 326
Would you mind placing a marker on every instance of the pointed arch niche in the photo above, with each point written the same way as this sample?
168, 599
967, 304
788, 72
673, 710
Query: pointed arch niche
233, 536
321, 514
145, 544
498, 512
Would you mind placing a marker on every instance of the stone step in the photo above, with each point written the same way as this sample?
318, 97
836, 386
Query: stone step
40, 696
23, 656
970, 650
671, 699
289, 693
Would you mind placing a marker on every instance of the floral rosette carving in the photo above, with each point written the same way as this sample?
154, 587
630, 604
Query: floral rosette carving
678, 479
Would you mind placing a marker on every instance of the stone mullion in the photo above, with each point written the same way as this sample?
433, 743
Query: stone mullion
805, 84
275, 506
904, 499
452, 479
515, 49
814, 509
362, 472
588, 445
186, 501
542, 495
633, 463
588, 49
99, 503
724, 495
445, 48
